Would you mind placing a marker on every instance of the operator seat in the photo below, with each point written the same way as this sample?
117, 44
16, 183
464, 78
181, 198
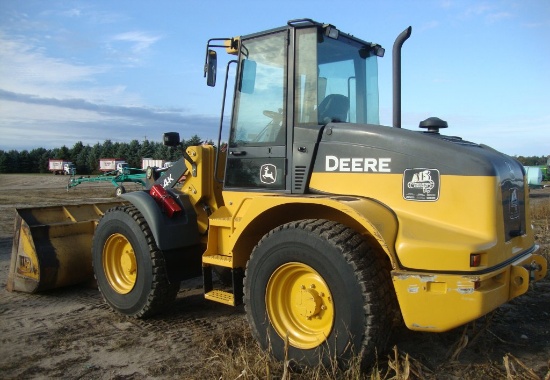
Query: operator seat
333, 108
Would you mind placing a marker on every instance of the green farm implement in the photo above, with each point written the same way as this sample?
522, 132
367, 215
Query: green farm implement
117, 178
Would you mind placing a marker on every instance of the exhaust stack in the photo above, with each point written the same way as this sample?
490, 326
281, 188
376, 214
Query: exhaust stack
396, 57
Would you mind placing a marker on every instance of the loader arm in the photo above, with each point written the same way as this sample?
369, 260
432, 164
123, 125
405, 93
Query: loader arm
193, 177
170, 177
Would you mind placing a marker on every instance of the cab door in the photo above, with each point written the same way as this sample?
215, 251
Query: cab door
257, 144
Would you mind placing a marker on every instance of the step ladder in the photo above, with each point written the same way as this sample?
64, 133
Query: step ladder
221, 220
233, 297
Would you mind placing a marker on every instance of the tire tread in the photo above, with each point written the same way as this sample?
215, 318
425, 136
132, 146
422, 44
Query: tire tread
163, 292
372, 271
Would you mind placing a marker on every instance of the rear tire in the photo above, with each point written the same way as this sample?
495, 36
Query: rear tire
320, 285
129, 268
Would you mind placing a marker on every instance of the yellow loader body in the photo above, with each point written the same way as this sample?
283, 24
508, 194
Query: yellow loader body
430, 300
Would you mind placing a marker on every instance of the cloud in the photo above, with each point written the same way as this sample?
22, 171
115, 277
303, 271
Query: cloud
74, 12
30, 121
489, 12
81, 104
140, 41
498, 16
429, 25
446, 4
85, 13
49, 101
26, 67
478, 9
131, 47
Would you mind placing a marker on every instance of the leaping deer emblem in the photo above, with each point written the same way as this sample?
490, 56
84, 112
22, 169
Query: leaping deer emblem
268, 173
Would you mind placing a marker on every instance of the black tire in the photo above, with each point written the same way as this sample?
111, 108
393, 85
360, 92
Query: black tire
120, 190
360, 305
144, 290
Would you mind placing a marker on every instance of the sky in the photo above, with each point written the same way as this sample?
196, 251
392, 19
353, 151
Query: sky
122, 70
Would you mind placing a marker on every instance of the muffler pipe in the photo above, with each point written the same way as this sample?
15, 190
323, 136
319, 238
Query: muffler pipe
396, 57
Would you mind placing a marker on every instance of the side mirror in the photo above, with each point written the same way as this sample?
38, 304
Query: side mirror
248, 76
211, 68
171, 139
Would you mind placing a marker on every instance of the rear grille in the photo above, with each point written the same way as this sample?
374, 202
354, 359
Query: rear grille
513, 208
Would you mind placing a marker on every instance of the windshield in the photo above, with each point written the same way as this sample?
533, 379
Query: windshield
337, 84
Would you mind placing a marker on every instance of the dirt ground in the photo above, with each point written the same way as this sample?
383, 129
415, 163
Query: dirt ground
71, 334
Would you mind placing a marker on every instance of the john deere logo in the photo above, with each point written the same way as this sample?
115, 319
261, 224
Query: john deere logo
268, 174
514, 204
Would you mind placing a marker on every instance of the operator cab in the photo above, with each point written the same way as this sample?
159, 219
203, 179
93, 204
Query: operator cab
292, 82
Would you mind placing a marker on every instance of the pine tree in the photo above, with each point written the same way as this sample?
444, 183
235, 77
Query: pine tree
92, 161
107, 150
3, 162
133, 157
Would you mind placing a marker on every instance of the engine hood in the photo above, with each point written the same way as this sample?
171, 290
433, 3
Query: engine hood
423, 159
407, 149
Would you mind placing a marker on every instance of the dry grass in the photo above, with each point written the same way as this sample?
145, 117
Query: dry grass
540, 211
540, 214
236, 355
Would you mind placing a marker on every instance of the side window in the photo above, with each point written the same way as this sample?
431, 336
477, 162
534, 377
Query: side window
306, 80
339, 88
259, 102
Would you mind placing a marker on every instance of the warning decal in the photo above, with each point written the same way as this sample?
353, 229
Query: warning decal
421, 185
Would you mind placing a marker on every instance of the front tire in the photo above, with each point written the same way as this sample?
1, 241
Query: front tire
319, 286
129, 268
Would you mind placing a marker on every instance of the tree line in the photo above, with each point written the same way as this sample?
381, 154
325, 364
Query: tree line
86, 157
533, 160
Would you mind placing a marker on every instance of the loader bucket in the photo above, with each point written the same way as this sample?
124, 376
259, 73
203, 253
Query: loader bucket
52, 246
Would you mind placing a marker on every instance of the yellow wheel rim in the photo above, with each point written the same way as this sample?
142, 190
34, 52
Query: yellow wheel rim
299, 305
119, 263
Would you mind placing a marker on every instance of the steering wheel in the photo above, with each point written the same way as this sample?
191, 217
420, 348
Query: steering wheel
271, 130
274, 115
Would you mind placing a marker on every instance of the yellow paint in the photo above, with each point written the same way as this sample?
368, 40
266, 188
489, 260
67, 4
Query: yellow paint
119, 263
221, 297
200, 186
299, 305
52, 246
440, 302
440, 235
27, 260
236, 227
232, 46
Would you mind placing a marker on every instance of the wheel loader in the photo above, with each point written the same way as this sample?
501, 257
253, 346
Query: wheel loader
327, 226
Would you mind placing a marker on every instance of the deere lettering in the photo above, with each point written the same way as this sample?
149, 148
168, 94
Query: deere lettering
357, 164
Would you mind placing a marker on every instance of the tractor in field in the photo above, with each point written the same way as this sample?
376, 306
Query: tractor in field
328, 226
